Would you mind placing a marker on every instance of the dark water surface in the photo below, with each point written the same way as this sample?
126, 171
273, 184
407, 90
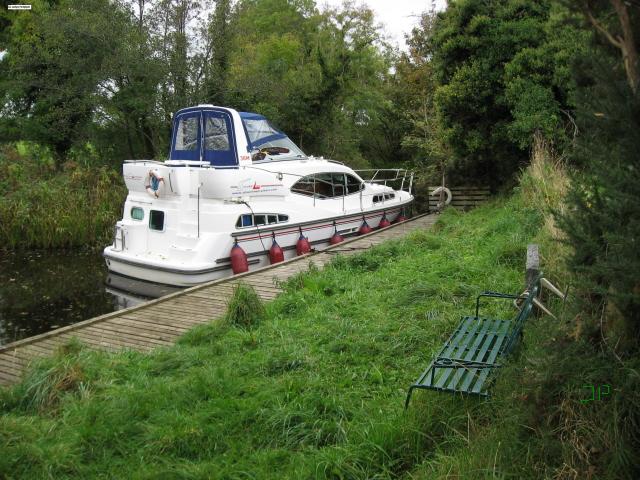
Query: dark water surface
43, 290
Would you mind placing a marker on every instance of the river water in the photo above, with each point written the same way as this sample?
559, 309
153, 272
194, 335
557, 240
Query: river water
42, 290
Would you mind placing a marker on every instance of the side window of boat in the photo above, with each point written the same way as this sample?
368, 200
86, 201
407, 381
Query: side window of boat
260, 219
156, 220
339, 185
244, 221
353, 184
304, 186
216, 136
187, 133
322, 185
137, 213
377, 198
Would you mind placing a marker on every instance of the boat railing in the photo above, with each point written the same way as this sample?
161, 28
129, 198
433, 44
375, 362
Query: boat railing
398, 178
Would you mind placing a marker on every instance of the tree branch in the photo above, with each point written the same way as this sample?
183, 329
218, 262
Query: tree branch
615, 42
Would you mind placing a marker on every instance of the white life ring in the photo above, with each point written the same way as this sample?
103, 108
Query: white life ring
154, 183
447, 192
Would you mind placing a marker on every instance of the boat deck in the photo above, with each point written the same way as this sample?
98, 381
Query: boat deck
160, 322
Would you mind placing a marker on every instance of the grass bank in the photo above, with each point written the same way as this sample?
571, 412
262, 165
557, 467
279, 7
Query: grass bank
313, 386
44, 208
315, 389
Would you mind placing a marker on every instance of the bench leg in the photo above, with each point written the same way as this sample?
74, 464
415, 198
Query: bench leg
406, 402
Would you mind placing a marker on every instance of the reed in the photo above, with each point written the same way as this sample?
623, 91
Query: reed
44, 208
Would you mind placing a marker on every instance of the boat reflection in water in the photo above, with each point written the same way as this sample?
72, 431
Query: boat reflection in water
129, 292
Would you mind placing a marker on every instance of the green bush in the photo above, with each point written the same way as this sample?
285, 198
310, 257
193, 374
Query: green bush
45, 208
245, 308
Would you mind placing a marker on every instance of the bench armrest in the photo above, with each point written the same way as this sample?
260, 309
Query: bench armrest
496, 295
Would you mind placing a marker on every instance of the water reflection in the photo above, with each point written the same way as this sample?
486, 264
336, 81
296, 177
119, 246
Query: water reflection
129, 292
40, 291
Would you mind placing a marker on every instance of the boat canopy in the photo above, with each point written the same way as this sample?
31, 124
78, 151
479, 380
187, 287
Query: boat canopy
212, 134
261, 133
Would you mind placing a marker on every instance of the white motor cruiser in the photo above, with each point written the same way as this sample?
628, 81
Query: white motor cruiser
238, 194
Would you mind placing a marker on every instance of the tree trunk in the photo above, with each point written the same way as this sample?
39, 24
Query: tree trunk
628, 46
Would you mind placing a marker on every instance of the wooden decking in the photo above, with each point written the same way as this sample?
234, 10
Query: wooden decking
160, 322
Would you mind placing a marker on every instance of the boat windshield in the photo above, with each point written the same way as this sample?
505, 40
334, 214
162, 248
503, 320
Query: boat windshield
263, 134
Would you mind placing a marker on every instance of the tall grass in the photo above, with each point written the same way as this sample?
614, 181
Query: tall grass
245, 308
44, 208
314, 390
544, 185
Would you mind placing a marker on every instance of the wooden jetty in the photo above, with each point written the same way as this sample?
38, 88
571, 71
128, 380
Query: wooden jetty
462, 198
160, 322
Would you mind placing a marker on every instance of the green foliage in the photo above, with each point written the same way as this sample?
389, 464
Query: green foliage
245, 307
54, 379
602, 204
501, 70
321, 77
54, 63
42, 208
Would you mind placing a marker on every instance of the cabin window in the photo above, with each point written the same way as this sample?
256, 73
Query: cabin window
321, 185
137, 213
389, 196
259, 128
304, 186
244, 221
187, 134
260, 219
156, 220
377, 198
354, 185
216, 136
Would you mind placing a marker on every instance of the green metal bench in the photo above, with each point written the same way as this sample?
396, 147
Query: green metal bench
476, 349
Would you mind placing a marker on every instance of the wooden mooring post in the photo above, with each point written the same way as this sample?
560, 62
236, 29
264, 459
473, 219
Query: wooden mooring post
532, 268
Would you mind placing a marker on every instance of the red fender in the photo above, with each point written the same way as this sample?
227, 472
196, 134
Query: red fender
239, 262
276, 255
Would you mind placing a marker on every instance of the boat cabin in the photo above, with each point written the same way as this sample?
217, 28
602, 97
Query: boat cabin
225, 138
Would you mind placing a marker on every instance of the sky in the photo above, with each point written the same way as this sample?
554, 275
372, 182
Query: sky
397, 16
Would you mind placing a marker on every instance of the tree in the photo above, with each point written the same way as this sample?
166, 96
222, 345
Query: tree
602, 221
220, 38
500, 79
320, 76
54, 63
423, 140
621, 36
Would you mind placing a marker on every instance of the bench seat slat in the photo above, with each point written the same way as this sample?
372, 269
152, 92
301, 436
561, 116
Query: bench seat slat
457, 349
475, 340
483, 340
492, 342
471, 353
493, 353
448, 346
